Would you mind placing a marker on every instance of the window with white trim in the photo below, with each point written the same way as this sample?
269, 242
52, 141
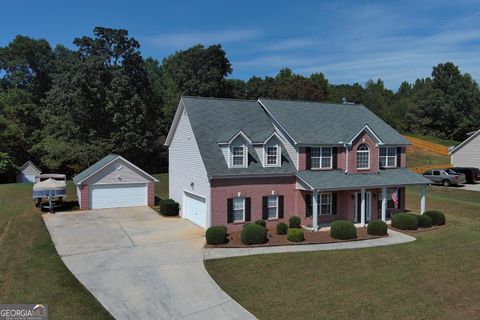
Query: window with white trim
238, 156
238, 209
272, 207
363, 156
324, 203
388, 157
321, 158
272, 155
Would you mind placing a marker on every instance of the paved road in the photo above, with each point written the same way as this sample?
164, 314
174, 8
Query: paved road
140, 265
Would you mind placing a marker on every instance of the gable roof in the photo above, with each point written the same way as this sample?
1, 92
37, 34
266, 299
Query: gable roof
213, 120
29, 163
465, 142
103, 163
328, 123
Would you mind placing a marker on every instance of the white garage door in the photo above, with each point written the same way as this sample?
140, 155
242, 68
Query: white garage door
28, 177
118, 195
195, 209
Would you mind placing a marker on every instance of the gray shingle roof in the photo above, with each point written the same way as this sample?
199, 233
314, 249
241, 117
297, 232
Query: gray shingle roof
326, 123
93, 168
218, 120
337, 179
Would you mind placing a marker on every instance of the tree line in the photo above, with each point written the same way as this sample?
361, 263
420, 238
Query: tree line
66, 108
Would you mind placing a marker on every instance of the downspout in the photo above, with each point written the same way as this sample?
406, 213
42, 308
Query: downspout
346, 158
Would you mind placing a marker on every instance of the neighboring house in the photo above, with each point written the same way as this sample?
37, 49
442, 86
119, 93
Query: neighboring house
234, 161
114, 182
28, 172
467, 153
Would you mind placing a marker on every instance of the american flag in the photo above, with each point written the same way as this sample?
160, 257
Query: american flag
395, 198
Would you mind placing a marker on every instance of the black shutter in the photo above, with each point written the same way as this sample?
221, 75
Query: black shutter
230, 210
308, 205
248, 209
264, 208
334, 203
280, 207
308, 165
399, 157
334, 157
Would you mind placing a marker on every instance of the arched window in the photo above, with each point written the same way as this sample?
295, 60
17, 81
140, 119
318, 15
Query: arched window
363, 156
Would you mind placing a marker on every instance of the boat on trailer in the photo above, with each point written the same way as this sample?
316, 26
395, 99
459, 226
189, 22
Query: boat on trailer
49, 190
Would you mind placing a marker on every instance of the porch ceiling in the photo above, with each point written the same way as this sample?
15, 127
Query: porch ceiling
338, 180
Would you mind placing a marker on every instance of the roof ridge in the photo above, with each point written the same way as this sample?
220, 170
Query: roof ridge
317, 102
216, 98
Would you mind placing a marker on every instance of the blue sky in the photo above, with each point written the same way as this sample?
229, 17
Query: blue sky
349, 41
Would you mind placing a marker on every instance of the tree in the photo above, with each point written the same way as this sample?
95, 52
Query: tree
7, 168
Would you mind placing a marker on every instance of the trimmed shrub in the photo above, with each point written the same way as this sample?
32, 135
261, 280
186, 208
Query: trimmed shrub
253, 233
216, 235
282, 228
294, 222
262, 223
405, 221
169, 207
343, 230
438, 218
424, 221
295, 235
377, 228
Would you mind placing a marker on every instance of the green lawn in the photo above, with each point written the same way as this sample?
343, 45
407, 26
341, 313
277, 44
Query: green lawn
30, 269
419, 158
435, 277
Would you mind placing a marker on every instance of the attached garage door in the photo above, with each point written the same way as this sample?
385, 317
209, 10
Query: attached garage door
195, 209
118, 195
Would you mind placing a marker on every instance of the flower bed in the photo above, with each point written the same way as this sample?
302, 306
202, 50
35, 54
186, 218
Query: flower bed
274, 239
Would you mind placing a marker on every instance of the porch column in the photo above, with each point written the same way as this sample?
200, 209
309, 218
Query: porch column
315, 210
362, 212
384, 204
423, 200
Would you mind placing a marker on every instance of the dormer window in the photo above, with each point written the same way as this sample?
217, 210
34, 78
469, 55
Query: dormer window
363, 156
272, 154
239, 156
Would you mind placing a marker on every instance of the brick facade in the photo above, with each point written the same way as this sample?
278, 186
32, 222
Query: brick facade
151, 194
84, 203
352, 155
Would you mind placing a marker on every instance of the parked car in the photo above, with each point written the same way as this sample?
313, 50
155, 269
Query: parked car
445, 177
471, 174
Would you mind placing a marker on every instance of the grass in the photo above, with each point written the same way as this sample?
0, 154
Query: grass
443, 142
435, 277
30, 269
417, 157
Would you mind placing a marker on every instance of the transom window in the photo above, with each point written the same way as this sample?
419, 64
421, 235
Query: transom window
324, 203
388, 157
238, 156
363, 156
321, 158
272, 207
238, 209
272, 155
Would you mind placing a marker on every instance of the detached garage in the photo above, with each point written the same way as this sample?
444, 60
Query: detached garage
114, 182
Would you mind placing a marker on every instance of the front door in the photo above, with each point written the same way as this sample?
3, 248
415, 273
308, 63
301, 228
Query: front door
358, 206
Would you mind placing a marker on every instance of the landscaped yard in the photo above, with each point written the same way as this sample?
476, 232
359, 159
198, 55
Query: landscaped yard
417, 157
30, 269
435, 277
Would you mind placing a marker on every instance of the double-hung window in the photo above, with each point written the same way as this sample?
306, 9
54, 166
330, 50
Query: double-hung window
238, 209
238, 156
321, 158
324, 203
363, 156
272, 207
388, 157
272, 155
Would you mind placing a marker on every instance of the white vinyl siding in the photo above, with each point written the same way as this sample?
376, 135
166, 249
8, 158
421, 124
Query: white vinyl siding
186, 166
288, 144
468, 155
388, 157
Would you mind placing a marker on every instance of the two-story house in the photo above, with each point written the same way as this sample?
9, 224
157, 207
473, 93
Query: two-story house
235, 161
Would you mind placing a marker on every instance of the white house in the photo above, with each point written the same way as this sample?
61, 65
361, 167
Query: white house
467, 153
28, 172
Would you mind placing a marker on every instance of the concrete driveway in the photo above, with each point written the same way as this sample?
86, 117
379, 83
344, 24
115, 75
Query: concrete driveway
140, 265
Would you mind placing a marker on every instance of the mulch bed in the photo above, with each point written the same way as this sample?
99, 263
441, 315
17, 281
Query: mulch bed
419, 230
281, 240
